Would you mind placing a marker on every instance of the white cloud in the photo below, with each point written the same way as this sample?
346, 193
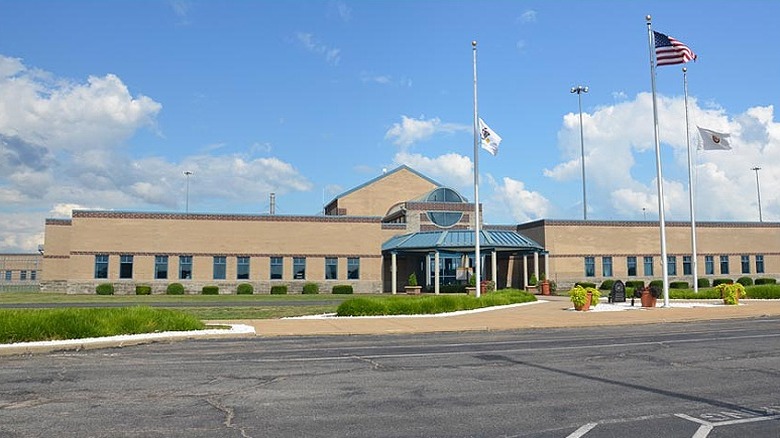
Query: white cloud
342, 10
452, 170
412, 130
528, 16
332, 55
522, 205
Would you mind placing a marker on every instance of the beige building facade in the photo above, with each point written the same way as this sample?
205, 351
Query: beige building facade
372, 237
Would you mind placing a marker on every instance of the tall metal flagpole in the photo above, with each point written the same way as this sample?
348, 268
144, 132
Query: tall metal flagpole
694, 263
661, 221
477, 258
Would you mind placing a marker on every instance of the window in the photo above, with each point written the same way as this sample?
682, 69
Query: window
648, 260
353, 268
33, 275
22, 275
745, 264
687, 265
7, 275
185, 267
331, 268
590, 266
299, 268
125, 266
160, 267
276, 268
724, 264
606, 266
220, 267
759, 263
671, 265
709, 265
631, 266
101, 265
242, 268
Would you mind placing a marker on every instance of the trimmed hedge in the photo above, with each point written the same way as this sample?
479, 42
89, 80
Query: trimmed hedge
279, 289
210, 290
760, 281
175, 289
703, 282
311, 289
143, 289
635, 284
343, 289
607, 284
452, 288
585, 284
718, 281
245, 289
745, 281
401, 305
105, 289
678, 285
656, 283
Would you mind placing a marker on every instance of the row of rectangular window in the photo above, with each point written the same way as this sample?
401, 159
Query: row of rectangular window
23, 275
671, 265
219, 270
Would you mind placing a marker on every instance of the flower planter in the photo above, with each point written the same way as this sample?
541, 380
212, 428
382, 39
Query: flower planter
545, 288
471, 290
647, 298
413, 290
586, 306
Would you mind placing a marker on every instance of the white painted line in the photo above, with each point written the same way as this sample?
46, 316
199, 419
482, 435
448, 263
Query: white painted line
582, 430
747, 420
694, 419
703, 431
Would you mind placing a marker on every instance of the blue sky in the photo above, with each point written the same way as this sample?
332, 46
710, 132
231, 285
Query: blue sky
104, 105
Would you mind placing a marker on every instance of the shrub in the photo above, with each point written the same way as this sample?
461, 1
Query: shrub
585, 284
452, 288
279, 289
344, 289
532, 281
245, 289
731, 292
412, 279
765, 281
636, 284
105, 289
175, 289
657, 283
143, 289
311, 289
607, 284
210, 290
678, 285
704, 282
764, 292
745, 281
718, 281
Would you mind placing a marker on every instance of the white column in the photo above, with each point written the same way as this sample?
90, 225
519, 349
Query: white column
494, 271
536, 264
436, 273
393, 272
525, 270
547, 266
427, 270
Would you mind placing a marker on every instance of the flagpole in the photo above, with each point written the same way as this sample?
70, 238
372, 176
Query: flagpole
660, 185
694, 263
477, 258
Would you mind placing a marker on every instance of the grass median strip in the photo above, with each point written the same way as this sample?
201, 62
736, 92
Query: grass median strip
424, 305
30, 325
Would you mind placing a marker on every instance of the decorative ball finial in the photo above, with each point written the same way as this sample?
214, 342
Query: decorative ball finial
474, 43
648, 18
685, 69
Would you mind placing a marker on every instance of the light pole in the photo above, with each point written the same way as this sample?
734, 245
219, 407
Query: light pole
758, 190
187, 173
644, 215
579, 89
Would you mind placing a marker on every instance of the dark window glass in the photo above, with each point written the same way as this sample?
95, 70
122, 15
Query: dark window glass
160, 267
590, 266
724, 264
759, 263
220, 267
353, 268
299, 268
331, 268
125, 266
709, 265
648, 265
242, 268
606, 266
631, 266
185, 267
745, 259
687, 265
101, 266
276, 268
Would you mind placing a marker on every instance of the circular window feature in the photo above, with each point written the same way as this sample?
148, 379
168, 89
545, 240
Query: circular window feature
445, 218
444, 194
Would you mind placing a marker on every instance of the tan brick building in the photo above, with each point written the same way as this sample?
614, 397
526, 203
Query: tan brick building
19, 271
371, 237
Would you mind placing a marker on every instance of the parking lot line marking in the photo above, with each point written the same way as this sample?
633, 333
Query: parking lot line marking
703, 431
582, 430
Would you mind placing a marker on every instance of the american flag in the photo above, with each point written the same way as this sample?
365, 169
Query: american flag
669, 51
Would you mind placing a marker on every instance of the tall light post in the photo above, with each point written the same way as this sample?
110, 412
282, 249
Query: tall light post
187, 174
758, 190
579, 89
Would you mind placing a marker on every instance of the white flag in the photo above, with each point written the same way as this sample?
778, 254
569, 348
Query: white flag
713, 140
490, 140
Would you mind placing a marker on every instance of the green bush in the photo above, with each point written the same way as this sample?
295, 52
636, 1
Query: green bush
175, 289
418, 305
764, 292
344, 289
311, 289
719, 281
452, 288
607, 284
210, 290
279, 289
760, 281
703, 282
678, 285
635, 284
585, 284
656, 283
105, 289
143, 289
745, 281
245, 289
688, 294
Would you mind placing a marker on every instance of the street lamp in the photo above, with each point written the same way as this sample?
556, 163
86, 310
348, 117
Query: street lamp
187, 173
644, 215
758, 190
579, 89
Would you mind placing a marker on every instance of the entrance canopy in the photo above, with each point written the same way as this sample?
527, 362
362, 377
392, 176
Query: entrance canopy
461, 241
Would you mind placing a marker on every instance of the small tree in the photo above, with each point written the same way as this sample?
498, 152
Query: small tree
412, 279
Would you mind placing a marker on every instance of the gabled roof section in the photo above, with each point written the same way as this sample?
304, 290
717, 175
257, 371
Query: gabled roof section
385, 175
462, 241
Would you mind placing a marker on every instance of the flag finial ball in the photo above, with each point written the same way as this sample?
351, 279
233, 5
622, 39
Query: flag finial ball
648, 18
685, 69
474, 43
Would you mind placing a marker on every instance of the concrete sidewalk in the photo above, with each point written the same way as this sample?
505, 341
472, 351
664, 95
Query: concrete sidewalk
549, 311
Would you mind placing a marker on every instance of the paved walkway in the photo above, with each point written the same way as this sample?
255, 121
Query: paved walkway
549, 311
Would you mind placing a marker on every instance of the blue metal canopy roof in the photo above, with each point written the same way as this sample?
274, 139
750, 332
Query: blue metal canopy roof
461, 240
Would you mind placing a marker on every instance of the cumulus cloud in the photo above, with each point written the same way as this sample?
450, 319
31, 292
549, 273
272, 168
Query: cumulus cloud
452, 169
620, 160
412, 130
511, 197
